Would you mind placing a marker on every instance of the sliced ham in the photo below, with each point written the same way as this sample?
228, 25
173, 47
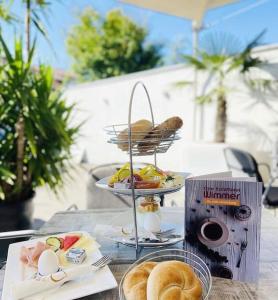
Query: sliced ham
30, 256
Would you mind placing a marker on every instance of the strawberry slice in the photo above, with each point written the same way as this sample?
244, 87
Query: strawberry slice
70, 240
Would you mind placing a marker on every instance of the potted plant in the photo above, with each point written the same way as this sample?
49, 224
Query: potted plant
35, 135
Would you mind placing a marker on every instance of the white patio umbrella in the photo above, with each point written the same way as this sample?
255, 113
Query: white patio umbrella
189, 9
193, 10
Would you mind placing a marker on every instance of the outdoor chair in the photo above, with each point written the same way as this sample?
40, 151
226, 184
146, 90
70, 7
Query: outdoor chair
243, 162
99, 198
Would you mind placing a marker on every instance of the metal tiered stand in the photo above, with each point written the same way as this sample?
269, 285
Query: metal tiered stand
157, 142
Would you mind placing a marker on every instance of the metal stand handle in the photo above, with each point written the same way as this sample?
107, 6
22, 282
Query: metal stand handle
139, 83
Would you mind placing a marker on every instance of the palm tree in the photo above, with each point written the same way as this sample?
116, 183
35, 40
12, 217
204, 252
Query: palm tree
222, 55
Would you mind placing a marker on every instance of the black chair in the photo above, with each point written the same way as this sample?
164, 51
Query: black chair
243, 162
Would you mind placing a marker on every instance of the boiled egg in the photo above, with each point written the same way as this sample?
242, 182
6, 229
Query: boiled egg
48, 263
152, 222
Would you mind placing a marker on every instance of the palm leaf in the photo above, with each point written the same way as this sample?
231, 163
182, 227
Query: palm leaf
220, 44
182, 83
255, 42
38, 24
2, 194
6, 176
246, 58
6, 50
5, 12
198, 64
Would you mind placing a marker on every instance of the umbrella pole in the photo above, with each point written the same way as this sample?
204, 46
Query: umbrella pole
195, 36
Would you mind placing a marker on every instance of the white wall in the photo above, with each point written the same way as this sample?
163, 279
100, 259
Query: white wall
106, 102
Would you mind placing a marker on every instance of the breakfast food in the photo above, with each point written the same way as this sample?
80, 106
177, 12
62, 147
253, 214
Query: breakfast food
149, 177
135, 283
48, 263
173, 280
54, 242
57, 243
149, 204
145, 136
60, 258
30, 256
138, 131
61, 246
148, 213
168, 280
76, 255
70, 240
161, 131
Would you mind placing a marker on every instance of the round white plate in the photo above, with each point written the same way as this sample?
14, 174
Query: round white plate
103, 184
128, 242
178, 230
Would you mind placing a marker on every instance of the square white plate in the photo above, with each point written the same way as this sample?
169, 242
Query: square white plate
86, 285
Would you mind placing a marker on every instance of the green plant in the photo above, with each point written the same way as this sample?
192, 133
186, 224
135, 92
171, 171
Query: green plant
5, 11
219, 58
34, 13
31, 110
110, 46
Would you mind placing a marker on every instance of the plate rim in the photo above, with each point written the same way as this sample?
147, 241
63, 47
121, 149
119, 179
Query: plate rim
150, 245
5, 290
102, 183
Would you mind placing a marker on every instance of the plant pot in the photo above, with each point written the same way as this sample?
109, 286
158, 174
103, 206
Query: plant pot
14, 216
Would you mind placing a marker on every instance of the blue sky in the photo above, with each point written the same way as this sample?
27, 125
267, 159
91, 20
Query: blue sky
168, 30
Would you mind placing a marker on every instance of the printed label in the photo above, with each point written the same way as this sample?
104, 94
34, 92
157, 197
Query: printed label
221, 196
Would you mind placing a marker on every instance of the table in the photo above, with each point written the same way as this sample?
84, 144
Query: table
223, 289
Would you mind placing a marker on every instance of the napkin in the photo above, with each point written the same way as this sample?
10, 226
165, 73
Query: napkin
26, 288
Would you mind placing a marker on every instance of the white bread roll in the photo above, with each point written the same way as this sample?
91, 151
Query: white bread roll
135, 283
161, 131
138, 131
173, 280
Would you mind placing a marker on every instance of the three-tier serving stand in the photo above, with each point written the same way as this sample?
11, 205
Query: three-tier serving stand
157, 142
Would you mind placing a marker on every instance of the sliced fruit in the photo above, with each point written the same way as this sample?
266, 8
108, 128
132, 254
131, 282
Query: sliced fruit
62, 243
123, 173
70, 240
54, 243
115, 177
151, 171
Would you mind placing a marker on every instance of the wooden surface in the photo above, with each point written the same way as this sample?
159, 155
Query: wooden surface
267, 289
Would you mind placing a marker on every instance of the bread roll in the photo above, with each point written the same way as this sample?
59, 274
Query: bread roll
135, 283
173, 280
163, 130
138, 131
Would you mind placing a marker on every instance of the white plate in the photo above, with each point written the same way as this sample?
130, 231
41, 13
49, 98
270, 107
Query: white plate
84, 286
103, 184
164, 226
170, 242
